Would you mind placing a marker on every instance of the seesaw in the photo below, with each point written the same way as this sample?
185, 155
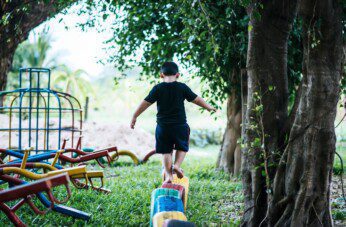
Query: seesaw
117, 153
49, 155
75, 173
12, 181
27, 191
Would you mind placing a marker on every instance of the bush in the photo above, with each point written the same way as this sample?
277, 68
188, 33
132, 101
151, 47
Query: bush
204, 137
337, 169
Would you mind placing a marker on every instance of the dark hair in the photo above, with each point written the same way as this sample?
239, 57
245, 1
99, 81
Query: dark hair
169, 68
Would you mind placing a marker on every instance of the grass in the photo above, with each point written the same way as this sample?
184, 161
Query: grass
212, 197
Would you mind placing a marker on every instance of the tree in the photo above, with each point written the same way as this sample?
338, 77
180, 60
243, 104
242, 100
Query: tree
301, 192
72, 82
267, 101
31, 54
287, 181
18, 18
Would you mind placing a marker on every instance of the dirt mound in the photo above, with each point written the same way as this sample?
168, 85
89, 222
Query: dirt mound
95, 135
99, 135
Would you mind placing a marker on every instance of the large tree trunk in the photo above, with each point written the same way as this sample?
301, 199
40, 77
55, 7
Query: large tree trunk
302, 183
229, 158
266, 104
21, 17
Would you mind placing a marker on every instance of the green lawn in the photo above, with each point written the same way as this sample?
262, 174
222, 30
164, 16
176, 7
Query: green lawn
212, 197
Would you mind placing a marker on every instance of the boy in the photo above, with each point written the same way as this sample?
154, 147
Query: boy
172, 130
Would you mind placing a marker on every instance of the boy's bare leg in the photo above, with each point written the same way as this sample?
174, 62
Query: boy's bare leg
167, 163
179, 158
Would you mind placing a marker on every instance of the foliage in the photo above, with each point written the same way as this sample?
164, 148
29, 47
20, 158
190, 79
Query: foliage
204, 137
207, 37
32, 54
339, 209
338, 169
72, 82
36, 54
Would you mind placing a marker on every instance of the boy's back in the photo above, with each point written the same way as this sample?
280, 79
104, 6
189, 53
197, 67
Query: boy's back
170, 97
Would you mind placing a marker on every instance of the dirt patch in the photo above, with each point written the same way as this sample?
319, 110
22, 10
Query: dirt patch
95, 135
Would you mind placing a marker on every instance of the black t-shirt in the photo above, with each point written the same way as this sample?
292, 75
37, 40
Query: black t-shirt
170, 102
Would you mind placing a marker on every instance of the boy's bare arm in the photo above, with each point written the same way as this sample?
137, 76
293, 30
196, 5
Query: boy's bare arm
200, 102
141, 108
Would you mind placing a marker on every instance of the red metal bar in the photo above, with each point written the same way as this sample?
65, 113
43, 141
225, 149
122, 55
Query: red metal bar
23, 191
147, 156
11, 215
26, 191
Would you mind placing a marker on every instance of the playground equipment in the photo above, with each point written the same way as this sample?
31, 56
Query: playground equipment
25, 194
40, 117
84, 157
40, 112
12, 181
75, 173
179, 188
169, 203
21, 170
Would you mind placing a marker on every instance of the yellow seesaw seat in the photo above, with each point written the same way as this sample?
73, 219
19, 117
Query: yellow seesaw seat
79, 170
160, 217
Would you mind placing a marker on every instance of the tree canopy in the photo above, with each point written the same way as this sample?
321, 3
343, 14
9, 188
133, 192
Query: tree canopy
208, 37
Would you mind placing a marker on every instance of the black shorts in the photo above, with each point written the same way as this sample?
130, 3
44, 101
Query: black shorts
172, 137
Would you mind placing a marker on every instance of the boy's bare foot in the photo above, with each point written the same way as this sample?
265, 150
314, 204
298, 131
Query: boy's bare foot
167, 181
178, 171
168, 178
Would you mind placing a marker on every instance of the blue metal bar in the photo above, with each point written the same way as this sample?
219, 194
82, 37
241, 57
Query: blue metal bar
59, 127
20, 121
48, 112
32, 158
30, 104
37, 112
35, 69
24, 110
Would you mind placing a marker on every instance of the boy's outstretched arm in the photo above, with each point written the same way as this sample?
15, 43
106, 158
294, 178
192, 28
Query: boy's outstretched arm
200, 102
141, 108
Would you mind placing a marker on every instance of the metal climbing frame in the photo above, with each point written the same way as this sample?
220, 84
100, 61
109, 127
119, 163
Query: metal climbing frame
38, 116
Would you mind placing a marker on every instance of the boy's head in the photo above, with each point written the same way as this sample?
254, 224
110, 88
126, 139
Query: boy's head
169, 69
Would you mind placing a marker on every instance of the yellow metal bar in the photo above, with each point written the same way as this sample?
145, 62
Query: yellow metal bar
57, 154
34, 176
90, 174
45, 166
126, 153
25, 157
71, 171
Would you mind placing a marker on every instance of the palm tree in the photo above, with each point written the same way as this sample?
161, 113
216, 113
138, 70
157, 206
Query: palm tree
72, 82
32, 54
